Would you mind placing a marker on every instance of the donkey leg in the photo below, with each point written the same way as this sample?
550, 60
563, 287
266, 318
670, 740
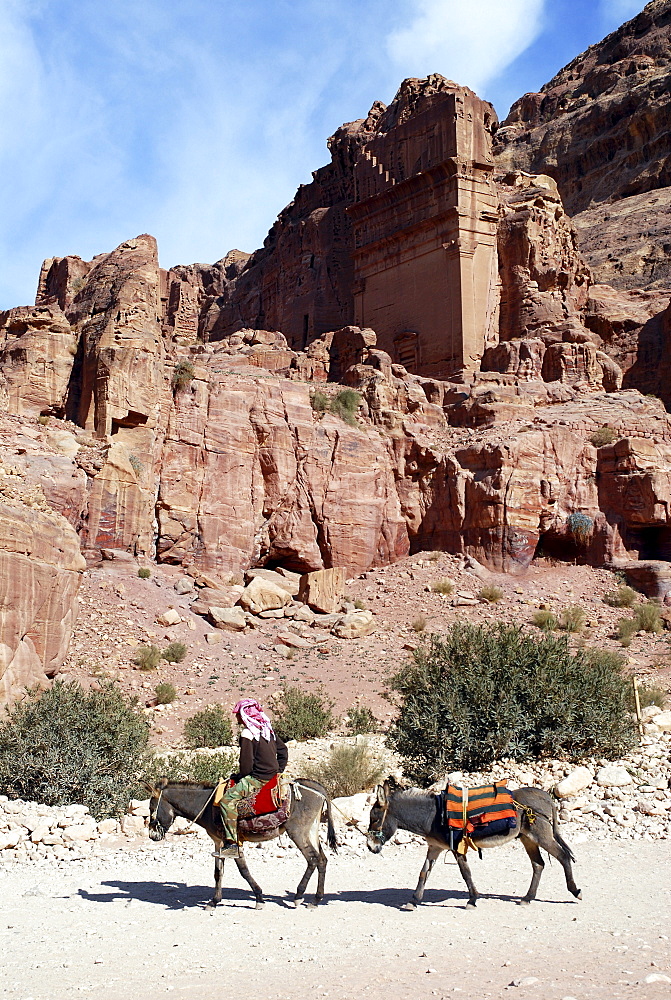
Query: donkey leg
562, 854
417, 896
248, 877
312, 858
537, 863
321, 876
218, 877
468, 879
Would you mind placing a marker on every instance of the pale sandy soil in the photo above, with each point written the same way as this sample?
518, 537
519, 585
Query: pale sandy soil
133, 924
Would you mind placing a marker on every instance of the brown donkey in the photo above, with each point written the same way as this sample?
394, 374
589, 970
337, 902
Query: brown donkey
416, 810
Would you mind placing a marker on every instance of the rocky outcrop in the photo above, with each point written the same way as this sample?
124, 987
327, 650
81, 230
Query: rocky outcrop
600, 129
37, 349
40, 568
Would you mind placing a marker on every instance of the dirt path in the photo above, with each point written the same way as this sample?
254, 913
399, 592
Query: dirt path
131, 924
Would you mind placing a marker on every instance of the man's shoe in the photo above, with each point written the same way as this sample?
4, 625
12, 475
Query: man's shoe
229, 849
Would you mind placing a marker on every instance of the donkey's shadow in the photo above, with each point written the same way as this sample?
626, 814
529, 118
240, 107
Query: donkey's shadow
170, 895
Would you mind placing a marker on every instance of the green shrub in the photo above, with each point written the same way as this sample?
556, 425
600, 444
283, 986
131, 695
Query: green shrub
183, 375
580, 526
136, 465
443, 586
67, 745
345, 406
490, 593
626, 629
319, 402
348, 770
302, 715
648, 617
359, 604
144, 572
211, 727
572, 619
623, 597
147, 657
419, 624
360, 720
603, 435
546, 620
482, 693
43, 419
165, 693
207, 768
175, 652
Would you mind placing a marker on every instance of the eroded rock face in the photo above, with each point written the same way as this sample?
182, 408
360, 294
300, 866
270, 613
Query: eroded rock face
40, 568
600, 129
37, 349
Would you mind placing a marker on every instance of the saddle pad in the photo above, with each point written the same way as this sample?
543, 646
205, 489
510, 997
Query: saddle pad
263, 824
485, 804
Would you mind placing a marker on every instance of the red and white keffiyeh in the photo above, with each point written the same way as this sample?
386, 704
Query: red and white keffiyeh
254, 718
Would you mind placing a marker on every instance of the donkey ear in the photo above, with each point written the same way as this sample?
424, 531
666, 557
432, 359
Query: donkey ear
150, 788
381, 796
162, 783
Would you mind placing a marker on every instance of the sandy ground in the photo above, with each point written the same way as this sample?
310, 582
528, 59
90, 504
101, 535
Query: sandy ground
133, 923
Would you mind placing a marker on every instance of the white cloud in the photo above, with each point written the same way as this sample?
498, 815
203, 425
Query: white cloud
469, 42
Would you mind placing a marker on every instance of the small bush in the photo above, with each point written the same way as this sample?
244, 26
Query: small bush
207, 768
419, 624
147, 657
360, 720
490, 593
482, 693
434, 556
602, 436
211, 727
572, 619
545, 620
648, 617
175, 652
359, 604
319, 402
303, 715
183, 375
144, 572
43, 419
649, 696
623, 597
136, 465
67, 745
443, 586
165, 693
348, 770
626, 629
345, 406
580, 526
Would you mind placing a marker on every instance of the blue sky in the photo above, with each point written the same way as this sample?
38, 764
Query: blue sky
195, 121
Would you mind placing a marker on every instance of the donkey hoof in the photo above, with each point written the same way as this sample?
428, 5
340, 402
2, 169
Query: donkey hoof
295, 903
578, 894
259, 904
523, 901
470, 905
409, 907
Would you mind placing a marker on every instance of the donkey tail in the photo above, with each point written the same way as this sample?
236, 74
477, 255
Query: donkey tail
557, 835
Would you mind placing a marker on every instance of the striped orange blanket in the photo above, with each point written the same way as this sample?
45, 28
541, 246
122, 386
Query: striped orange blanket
485, 811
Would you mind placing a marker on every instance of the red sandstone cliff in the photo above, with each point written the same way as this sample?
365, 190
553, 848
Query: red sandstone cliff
600, 128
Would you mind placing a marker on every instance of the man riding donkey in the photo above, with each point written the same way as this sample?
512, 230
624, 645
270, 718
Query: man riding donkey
262, 756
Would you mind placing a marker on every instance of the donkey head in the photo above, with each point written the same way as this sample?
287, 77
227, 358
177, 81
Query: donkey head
382, 824
161, 812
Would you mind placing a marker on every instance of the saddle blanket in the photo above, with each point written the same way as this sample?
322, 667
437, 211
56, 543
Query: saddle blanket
266, 810
486, 811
